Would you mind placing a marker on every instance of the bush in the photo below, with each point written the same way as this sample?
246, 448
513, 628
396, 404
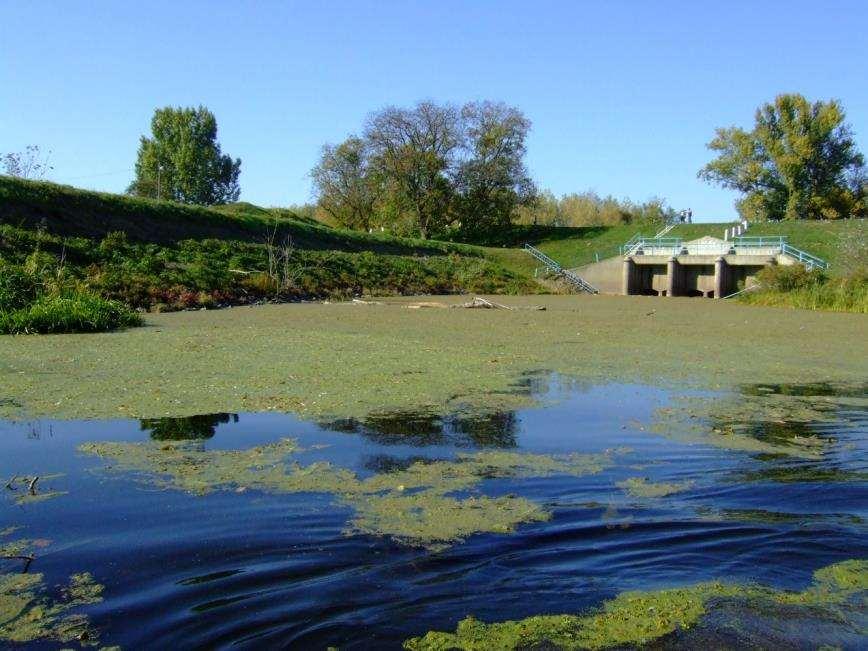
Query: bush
17, 288
796, 287
786, 278
74, 313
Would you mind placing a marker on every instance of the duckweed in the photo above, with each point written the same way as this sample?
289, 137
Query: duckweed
756, 422
641, 487
414, 505
341, 360
637, 618
28, 610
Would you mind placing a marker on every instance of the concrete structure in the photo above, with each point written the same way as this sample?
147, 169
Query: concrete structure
709, 266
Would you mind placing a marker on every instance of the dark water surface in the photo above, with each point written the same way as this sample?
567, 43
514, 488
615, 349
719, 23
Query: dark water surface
252, 569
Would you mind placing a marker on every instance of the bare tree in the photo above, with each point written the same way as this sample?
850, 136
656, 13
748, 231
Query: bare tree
282, 270
27, 164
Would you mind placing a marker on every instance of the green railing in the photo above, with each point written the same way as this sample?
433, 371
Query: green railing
760, 241
639, 242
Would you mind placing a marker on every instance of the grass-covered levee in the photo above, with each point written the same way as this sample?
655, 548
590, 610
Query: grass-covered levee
77, 261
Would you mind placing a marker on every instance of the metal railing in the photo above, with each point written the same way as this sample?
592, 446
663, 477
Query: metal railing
810, 261
666, 229
760, 241
630, 244
779, 242
571, 277
743, 244
637, 242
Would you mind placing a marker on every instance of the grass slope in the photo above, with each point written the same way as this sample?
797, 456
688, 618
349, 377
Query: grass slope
70, 212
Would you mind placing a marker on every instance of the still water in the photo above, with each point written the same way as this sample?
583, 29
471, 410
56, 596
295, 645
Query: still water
248, 567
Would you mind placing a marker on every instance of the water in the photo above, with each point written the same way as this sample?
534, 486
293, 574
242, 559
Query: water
254, 569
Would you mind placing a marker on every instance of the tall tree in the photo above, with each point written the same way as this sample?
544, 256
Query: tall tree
799, 162
182, 160
346, 186
493, 181
414, 151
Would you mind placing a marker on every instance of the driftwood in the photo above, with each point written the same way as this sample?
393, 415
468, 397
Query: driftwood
481, 303
476, 303
423, 304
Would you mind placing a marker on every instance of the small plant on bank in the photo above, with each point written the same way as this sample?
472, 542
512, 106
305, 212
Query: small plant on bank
41, 298
74, 313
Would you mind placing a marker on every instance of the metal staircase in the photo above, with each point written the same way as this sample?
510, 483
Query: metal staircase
665, 230
568, 275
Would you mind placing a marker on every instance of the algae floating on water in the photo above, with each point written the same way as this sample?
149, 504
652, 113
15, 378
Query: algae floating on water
28, 610
637, 618
641, 487
760, 422
414, 505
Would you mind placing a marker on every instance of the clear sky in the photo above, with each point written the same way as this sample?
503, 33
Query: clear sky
623, 95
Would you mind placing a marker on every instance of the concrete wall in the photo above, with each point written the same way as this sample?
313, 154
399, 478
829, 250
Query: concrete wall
682, 275
605, 275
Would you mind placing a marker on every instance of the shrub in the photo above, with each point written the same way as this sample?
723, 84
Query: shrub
796, 287
17, 288
786, 278
74, 313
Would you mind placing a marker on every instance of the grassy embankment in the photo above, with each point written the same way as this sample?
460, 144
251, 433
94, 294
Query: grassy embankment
66, 243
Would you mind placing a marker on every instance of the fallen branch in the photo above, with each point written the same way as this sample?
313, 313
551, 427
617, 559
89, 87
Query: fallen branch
27, 560
481, 303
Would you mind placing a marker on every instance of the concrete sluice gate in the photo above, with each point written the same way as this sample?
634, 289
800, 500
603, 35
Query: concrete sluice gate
686, 275
708, 267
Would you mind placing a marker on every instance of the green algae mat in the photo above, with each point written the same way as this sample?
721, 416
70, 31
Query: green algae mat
350, 359
603, 473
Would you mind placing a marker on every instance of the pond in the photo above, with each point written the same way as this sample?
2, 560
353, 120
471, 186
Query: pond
263, 530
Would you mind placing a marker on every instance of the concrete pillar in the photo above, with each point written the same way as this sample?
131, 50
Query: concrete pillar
721, 278
629, 276
673, 277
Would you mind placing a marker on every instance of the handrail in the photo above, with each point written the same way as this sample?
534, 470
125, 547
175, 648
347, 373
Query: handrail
760, 240
558, 269
810, 261
636, 243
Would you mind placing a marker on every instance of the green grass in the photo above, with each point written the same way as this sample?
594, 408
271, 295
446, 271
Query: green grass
212, 272
830, 240
70, 212
835, 294
75, 313
569, 246
168, 256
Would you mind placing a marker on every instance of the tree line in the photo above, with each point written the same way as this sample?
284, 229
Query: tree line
425, 169
435, 169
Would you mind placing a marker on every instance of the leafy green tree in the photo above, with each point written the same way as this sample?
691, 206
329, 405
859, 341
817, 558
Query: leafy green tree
182, 160
347, 188
799, 162
493, 182
414, 152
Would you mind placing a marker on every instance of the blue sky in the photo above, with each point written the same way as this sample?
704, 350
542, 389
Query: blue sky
623, 96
